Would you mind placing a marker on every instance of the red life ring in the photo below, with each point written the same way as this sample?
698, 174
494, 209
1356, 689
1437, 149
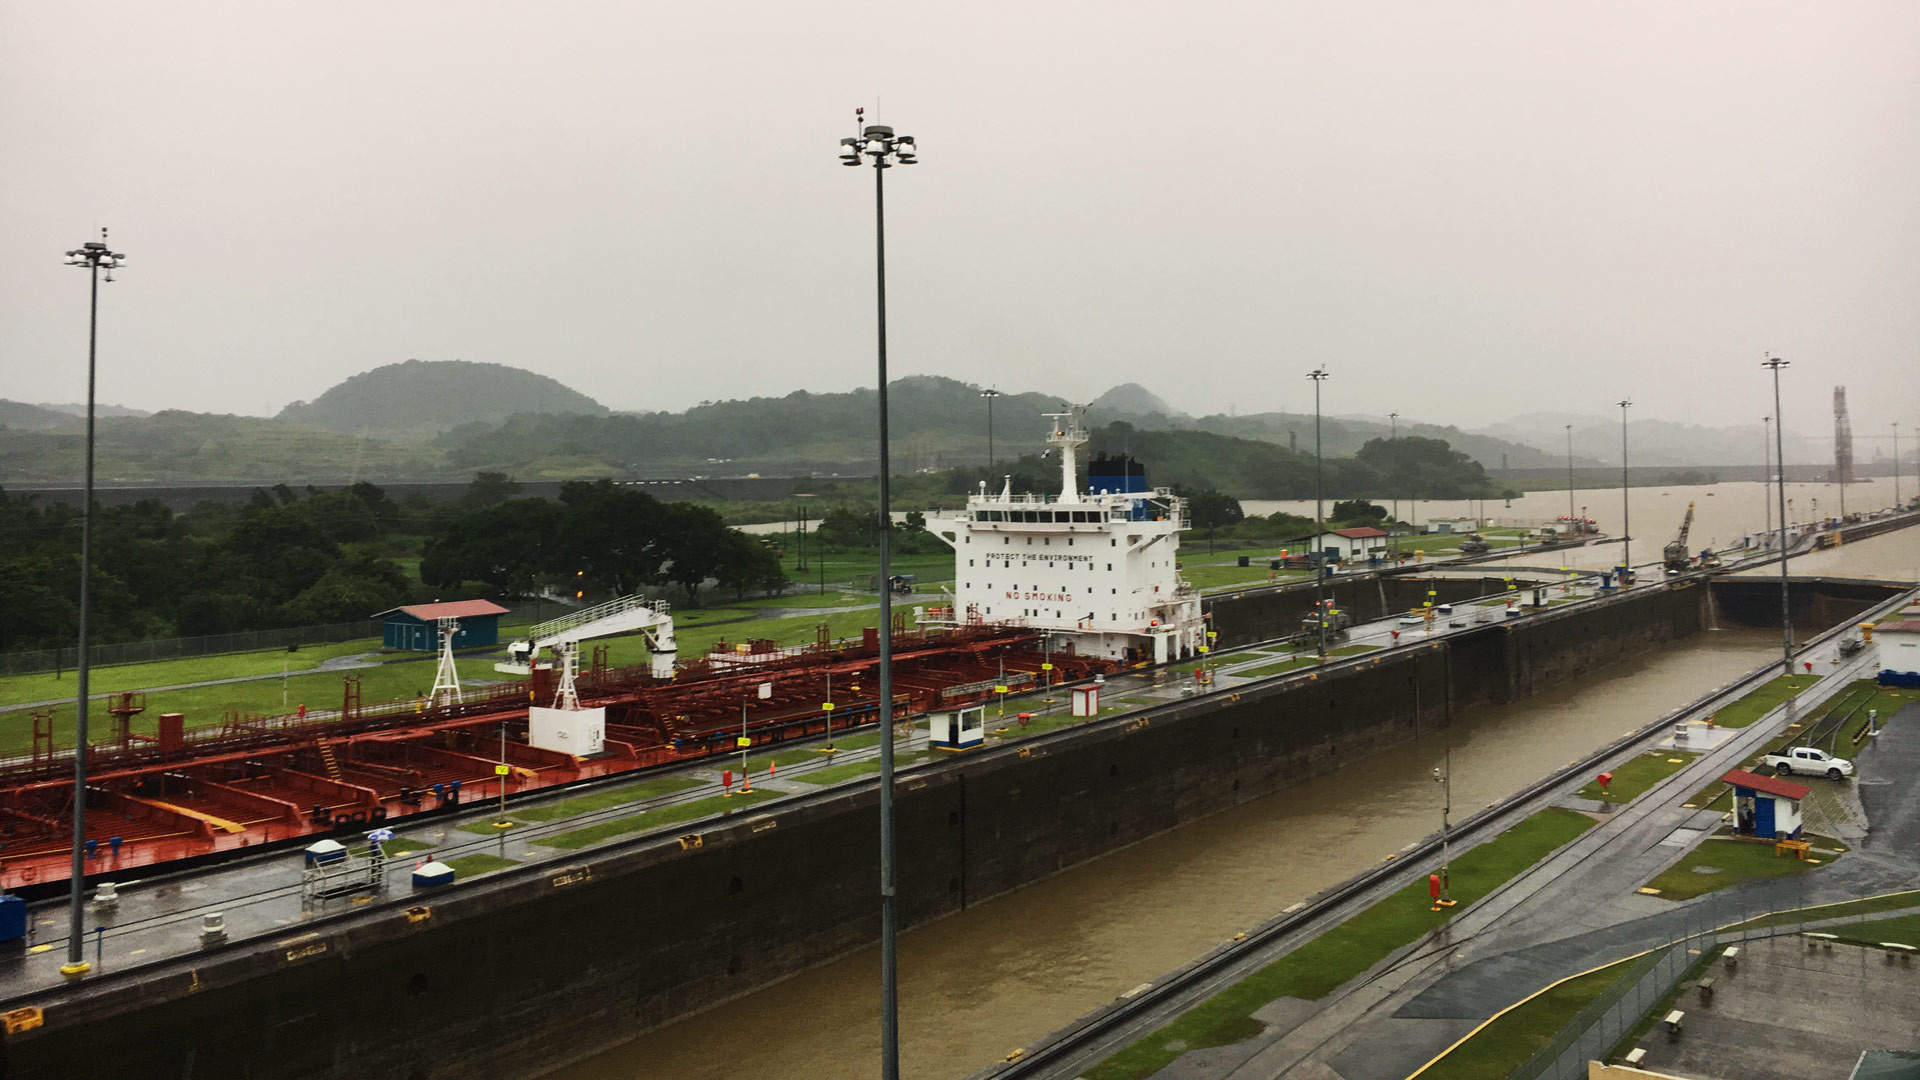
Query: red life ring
28, 874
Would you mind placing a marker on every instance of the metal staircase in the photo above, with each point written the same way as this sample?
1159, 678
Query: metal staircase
328, 759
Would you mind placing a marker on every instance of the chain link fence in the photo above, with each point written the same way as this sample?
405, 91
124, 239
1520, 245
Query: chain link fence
139, 652
1650, 978
32, 662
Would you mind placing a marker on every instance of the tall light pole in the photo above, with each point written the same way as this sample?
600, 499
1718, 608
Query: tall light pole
1393, 422
95, 257
1446, 827
1780, 458
1570, 514
989, 393
885, 149
1766, 468
1626, 515
1896, 464
1318, 375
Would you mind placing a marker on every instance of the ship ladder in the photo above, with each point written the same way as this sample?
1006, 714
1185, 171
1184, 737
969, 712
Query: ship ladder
327, 758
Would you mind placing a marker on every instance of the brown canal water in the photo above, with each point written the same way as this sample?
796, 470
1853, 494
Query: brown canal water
978, 984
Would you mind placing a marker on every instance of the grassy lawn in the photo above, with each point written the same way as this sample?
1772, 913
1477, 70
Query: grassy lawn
486, 828
696, 637
205, 705
1060, 716
1842, 910
1634, 777
654, 819
1762, 701
1904, 929
1278, 667
840, 568
399, 845
1227, 577
15, 689
600, 800
1298, 661
833, 774
466, 866
1511, 1038
1323, 964
809, 599
1719, 864
1861, 697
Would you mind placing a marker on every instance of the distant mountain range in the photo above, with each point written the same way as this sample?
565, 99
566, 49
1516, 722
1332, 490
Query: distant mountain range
447, 419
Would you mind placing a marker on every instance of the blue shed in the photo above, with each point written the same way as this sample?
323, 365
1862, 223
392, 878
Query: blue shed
1766, 806
416, 627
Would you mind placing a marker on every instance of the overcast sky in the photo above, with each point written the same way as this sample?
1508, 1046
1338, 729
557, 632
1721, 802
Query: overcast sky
1465, 210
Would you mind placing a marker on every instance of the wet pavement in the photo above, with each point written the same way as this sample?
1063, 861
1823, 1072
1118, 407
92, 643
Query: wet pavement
1572, 912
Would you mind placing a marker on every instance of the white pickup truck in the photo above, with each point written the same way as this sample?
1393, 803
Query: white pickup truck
1808, 761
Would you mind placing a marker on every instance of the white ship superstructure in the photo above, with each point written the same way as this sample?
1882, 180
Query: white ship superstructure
1097, 568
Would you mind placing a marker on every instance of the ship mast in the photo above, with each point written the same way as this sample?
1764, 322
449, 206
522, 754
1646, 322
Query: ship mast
1068, 437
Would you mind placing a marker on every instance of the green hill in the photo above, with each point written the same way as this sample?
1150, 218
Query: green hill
936, 422
421, 398
184, 447
20, 416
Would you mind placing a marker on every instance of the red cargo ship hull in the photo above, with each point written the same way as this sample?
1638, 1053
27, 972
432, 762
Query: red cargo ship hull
182, 798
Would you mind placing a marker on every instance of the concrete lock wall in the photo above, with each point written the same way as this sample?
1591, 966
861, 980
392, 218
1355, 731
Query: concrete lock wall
1815, 603
527, 969
1242, 618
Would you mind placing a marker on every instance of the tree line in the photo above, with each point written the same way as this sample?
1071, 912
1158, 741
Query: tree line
293, 558
598, 535
279, 559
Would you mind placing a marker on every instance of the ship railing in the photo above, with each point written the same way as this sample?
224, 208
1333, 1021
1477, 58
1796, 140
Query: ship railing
594, 614
316, 723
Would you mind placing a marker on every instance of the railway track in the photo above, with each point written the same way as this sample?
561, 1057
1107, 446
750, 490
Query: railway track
1069, 1049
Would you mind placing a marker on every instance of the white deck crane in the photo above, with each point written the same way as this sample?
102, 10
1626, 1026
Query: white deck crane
564, 635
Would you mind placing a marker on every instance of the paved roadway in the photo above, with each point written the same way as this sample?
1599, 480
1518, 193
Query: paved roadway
1574, 911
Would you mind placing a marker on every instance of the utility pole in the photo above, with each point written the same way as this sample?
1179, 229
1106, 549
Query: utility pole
1445, 776
1318, 375
1626, 514
1780, 455
94, 256
1393, 422
878, 142
1569, 476
990, 393
1766, 469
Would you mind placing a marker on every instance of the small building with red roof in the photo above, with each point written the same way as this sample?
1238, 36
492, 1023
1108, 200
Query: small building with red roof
416, 627
1346, 545
1766, 806
1899, 641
